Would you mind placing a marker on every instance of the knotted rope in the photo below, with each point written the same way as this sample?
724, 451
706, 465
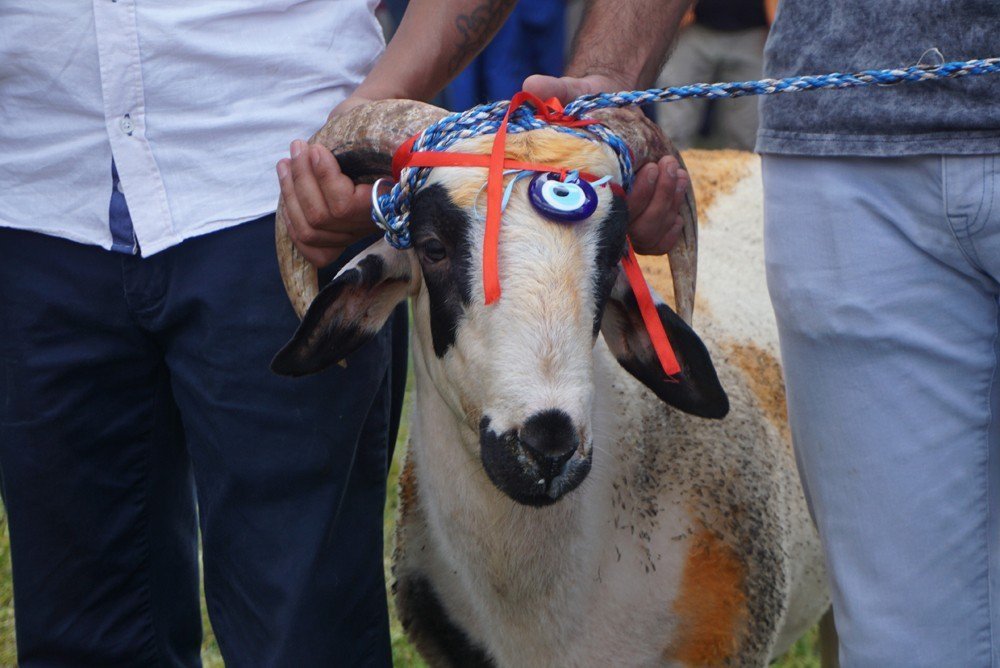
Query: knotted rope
391, 211
428, 149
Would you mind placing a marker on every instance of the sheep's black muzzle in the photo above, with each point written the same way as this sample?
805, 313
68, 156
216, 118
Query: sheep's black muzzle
539, 463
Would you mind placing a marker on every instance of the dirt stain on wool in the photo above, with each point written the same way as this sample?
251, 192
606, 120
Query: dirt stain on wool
407, 488
763, 373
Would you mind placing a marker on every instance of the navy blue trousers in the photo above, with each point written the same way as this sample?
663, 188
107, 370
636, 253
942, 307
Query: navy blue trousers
137, 405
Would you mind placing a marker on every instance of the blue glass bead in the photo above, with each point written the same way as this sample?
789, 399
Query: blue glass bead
561, 201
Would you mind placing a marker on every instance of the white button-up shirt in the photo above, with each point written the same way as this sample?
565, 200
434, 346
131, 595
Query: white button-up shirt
194, 101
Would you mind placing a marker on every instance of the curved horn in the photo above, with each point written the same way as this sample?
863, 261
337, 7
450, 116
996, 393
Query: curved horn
363, 139
649, 144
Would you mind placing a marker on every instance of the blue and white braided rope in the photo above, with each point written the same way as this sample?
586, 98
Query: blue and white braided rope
391, 211
585, 103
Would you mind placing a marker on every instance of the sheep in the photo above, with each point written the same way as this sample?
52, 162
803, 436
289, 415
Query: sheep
562, 504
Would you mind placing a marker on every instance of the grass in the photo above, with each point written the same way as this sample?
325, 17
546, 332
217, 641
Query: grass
7, 653
805, 653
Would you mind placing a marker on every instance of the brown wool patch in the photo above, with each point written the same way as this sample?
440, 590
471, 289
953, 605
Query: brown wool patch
715, 173
407, 488
712, 604
763, 372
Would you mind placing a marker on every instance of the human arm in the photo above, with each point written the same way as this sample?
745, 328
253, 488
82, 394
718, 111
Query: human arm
436, 39
622, 45
770, 10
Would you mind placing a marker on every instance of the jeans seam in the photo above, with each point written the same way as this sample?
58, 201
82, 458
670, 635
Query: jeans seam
989, 192
990, 512
129, 310
976, 221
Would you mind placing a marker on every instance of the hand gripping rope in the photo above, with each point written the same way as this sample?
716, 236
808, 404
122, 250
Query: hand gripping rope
426, 150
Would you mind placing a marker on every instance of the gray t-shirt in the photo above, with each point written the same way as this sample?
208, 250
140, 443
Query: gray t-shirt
960, 116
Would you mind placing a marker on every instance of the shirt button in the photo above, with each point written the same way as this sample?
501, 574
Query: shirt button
126, 124
118, 187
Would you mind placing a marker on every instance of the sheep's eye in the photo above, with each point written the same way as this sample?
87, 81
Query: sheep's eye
433, 250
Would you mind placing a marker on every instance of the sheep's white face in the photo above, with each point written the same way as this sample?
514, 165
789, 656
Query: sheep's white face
519, 371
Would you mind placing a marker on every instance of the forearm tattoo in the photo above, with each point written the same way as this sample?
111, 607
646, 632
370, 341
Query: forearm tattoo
475, 28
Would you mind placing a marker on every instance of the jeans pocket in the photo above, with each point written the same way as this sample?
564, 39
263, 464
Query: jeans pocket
969, 189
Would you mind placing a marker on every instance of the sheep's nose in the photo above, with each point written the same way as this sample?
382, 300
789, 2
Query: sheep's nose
550, 439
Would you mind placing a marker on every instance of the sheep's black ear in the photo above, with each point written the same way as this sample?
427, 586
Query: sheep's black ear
349, 311
697, 389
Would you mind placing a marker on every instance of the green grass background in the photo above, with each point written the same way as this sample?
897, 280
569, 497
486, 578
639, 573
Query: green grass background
805, 653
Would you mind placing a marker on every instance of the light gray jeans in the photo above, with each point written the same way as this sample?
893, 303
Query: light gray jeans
884, 277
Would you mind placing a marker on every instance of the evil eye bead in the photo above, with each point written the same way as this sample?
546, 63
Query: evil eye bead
560, 201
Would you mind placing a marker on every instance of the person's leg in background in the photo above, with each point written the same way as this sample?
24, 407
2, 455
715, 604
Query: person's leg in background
529, 42
95, 476
543, 37
291, 473
740, 55
691, 62
888, 319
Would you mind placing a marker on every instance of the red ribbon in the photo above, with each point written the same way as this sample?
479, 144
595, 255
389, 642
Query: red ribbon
650, 317
496, 162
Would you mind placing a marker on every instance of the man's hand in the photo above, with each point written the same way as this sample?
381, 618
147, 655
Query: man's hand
654, 206
566, 89
658, 191
325, 211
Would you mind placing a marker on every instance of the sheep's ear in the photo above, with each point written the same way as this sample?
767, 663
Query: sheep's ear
350, 310
696, 389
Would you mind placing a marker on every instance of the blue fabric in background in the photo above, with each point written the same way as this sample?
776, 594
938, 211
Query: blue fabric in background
530, 42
